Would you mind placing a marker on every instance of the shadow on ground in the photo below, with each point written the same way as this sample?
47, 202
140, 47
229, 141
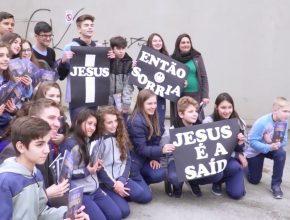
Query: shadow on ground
257, 204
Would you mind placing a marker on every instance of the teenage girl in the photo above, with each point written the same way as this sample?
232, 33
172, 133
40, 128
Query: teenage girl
156, 42
27, 53
25, 68
145, 134
9, 106
233, 174
113, 143
98, 204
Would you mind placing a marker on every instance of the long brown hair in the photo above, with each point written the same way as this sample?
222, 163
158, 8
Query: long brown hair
163, 50
152, 121
8, 39
43, 87
79, 134
6, 73
219, 99
122, 137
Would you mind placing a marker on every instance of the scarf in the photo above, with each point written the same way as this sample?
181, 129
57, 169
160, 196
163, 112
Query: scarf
184, 57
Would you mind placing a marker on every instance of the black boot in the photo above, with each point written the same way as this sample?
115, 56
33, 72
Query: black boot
168, 188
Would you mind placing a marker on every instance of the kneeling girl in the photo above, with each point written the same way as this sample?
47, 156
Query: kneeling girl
113, 143
98, 204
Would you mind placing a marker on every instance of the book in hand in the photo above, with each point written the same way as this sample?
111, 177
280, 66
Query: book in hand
279, 131
95, 152
66, 169
11, 90
75, 200
55, 167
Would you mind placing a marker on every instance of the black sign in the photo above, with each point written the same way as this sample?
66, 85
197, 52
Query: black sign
203, 150
89, 76
159, 73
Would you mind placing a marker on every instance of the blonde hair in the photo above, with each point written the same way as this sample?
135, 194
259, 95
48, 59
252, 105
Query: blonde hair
186, 101
280, 102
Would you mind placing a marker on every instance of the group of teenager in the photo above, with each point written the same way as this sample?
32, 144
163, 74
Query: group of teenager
133, 150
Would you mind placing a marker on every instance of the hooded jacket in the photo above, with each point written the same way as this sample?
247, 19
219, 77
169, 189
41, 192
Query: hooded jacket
81, 175
114, 167
119, 73
258, 144
22, 195
143, 149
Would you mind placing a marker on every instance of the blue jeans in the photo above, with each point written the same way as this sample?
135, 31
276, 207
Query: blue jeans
233, 176
119, 201
172, 176
147, 194
99, 206
152, 176
136, 194
255, 166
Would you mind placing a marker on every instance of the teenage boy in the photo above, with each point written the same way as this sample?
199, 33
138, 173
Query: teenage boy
263, 146
120, 90
187, 109
22, 194
43, 35
49, 111
7, 23
85, 27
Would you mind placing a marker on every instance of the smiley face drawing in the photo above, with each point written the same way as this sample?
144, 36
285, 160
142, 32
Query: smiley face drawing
159, 77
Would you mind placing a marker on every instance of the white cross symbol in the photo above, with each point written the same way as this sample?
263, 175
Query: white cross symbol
90, 80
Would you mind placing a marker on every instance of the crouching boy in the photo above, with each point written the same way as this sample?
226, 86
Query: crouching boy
267, 139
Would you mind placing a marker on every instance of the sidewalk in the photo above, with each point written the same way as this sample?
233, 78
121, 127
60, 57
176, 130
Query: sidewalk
256, 205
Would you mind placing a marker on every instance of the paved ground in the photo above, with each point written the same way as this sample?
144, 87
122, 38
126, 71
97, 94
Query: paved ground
257, 204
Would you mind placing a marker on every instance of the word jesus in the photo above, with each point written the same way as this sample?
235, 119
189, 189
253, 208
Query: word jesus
201, 135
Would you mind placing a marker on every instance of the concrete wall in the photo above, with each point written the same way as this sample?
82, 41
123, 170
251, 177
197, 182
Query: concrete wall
245, 43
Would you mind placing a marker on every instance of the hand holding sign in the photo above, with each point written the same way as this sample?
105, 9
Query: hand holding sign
67, 56
241, 138
168, 148
203, 150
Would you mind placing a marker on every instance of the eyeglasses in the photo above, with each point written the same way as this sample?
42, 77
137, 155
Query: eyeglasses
46, 35
26, 50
